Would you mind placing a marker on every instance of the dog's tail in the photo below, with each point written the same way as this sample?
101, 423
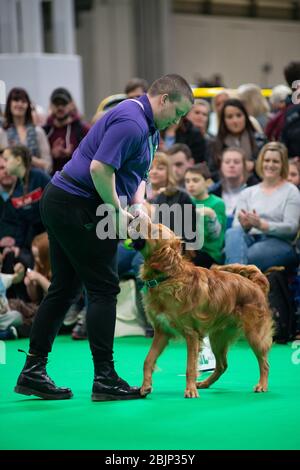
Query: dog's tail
250, 271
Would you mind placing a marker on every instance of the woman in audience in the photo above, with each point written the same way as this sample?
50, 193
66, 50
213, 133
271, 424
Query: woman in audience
234, 175
185, 133
199, 116
217, 106
236, 130
255, 103
18, 128
21, 220
267, 216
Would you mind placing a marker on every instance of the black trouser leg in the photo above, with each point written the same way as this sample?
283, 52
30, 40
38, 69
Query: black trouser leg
83, 255
64, 286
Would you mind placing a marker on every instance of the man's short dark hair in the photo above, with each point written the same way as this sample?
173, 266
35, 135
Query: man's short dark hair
136, 83
292, 72
180, 148
174, 85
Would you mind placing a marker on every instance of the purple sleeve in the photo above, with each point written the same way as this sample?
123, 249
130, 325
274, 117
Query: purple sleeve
119, 141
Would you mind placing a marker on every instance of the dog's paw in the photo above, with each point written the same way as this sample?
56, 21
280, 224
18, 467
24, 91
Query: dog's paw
191, 393
203, 384
260, 388
145, 391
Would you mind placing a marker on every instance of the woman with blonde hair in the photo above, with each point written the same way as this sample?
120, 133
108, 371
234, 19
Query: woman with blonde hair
255, 103
217, 106
199, 116
267, 216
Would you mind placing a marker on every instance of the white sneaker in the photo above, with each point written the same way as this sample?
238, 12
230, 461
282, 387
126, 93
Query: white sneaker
206, 359
72, 315
13, 334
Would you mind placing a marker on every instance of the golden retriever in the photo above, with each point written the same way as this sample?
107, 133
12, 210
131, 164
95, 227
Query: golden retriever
222, 302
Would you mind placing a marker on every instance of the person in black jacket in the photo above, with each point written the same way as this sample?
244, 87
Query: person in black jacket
21, 220
185, 133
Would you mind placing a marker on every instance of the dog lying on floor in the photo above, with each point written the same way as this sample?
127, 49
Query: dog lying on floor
223, 302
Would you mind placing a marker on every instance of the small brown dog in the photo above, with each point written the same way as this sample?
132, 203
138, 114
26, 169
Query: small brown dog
222, 302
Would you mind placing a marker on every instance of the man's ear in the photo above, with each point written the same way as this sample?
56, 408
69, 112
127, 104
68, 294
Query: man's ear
164, 98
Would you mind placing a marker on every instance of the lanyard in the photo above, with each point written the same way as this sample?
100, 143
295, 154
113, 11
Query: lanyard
152, 141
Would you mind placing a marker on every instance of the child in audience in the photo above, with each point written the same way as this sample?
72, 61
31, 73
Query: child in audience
214, 218
9, 318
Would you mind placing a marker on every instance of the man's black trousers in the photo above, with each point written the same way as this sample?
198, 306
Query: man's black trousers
78, 257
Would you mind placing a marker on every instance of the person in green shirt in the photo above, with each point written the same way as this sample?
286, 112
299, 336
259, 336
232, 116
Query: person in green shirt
212, 208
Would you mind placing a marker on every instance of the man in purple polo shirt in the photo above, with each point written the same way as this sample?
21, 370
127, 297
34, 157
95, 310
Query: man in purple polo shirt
113, 160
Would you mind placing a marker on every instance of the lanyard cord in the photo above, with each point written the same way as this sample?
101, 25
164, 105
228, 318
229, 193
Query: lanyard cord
152, 146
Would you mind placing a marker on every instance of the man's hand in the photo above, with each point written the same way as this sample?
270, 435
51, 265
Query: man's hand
123, 218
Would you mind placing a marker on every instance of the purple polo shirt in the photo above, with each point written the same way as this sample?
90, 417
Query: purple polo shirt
119, 139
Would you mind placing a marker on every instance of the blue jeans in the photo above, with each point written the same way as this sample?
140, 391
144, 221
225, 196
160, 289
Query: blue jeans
260, 250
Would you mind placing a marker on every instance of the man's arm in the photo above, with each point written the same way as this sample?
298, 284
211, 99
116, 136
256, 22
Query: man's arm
104, 180
139, 197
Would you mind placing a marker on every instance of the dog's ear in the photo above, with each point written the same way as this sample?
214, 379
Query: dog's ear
176, 244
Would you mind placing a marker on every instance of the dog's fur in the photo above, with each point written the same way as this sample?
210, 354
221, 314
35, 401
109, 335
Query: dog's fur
222, 302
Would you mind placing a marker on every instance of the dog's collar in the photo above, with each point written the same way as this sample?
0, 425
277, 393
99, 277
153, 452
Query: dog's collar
154, 282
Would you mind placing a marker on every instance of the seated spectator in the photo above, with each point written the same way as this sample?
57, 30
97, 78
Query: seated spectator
217, 106
255, 103
181, 158
233, 172
278, 98
213, 217
136, 87
199, 116
21, 219
64, 128
181, 220
184, 133
290, 118
267, 216
9, 318
294, 172
37, 280
279, 101
19, 128
6, 183
235, 130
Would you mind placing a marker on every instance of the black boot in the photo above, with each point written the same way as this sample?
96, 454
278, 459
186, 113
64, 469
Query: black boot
34, 380
109, 386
